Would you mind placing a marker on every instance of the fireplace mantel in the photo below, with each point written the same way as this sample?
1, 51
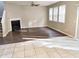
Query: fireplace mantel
13, 19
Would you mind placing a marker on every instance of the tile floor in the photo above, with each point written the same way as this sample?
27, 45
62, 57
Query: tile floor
29, 49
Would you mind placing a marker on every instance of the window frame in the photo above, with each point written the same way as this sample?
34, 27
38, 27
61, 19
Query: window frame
50, 16
55, 14
64, 14
58, 14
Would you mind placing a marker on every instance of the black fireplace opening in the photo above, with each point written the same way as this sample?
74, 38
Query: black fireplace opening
15, 25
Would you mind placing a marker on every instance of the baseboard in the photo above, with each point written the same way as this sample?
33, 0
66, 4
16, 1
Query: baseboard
4, 35
61, 31
33, 27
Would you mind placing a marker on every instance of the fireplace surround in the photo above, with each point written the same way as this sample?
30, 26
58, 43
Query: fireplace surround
15, 25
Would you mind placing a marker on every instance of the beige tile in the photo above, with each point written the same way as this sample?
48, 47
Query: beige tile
74, 53
52, 53
7, 46
19, 44
8, 51
28, 43
2, 46
1, 52
21, 48
64, 53
6, 56
29, 51
18, 54
41, 53
29, 46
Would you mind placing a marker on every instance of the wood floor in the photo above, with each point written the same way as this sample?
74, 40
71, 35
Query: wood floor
16, 36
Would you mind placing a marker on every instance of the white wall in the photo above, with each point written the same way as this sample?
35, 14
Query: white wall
13, 12
34, 17
30, 16
70, 21
5, 24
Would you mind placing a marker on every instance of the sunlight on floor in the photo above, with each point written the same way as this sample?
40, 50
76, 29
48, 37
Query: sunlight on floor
58, 42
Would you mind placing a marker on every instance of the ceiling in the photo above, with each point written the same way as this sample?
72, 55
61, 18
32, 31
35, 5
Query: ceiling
42, 3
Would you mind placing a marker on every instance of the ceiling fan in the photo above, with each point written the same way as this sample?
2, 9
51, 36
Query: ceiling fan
34, 4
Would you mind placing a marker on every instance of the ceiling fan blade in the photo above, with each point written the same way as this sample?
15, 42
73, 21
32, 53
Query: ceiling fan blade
32, 4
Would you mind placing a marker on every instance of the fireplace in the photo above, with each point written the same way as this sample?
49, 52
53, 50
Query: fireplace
15, 25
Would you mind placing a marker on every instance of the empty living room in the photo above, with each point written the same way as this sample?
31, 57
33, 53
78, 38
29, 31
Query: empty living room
39, 29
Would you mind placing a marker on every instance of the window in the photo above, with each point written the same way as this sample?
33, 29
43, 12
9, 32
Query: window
50, 14
55, 16
62, 13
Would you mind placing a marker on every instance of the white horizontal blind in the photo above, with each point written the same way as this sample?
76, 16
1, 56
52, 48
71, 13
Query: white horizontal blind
55, 16
50, 14
62, 11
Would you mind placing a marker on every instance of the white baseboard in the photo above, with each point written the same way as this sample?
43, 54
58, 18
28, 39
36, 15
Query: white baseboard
61, 31
4, 35
34, 26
